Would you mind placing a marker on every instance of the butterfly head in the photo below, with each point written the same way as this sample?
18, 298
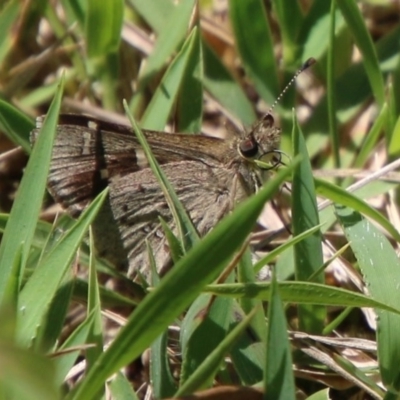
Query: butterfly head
262, 140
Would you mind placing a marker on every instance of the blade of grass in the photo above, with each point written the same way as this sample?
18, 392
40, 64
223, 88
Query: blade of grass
219, 82
190, 96
154, 13
26, 208
278, 376
42, 286
204, 374
159, 109
254, 42
109, 15
333, 133
290, 17
94, 307
204, 327
341, 196
358, 28
186, 231
174, 32
379, 264
308, 252
301, 292
15, 125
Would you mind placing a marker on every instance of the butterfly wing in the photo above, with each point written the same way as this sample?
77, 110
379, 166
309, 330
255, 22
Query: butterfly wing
88, 153
137, 202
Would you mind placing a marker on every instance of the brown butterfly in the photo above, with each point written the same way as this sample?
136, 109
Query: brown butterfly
210, 175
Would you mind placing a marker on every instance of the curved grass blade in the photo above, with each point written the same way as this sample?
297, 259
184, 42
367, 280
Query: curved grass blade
109, 15
26, 208
254, 42
186, 231
380, 266
301, 292
159, 109
290, 17
42, 286
341, 196
308, 252
356, 24
278, 375
16, 125
222, 86
205, 372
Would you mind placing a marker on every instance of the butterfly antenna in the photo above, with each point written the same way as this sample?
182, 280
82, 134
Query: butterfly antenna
306, 65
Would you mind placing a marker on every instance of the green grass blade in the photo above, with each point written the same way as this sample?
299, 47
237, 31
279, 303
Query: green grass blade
8, 16
278, 375
159, 109
314, 27
380, 266
333, 131
107, 14
154, 12
290, 17
16, 125
372, 138
170, 37
285, 246
301, 293
66, 358
163, 383
202, 330
190, 97
121, 388
341, 196
254, 42
220, 84
25, 374
42, 286
356, 24
246, 273
25, 212
186, 231
49, 331
308, 252
94, 307
205, 372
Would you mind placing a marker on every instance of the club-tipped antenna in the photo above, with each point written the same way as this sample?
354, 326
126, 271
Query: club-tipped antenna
305, 66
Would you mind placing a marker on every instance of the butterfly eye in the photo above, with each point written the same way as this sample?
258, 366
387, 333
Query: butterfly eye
248, 148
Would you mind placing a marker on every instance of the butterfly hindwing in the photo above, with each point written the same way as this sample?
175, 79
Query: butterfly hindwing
137, 202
